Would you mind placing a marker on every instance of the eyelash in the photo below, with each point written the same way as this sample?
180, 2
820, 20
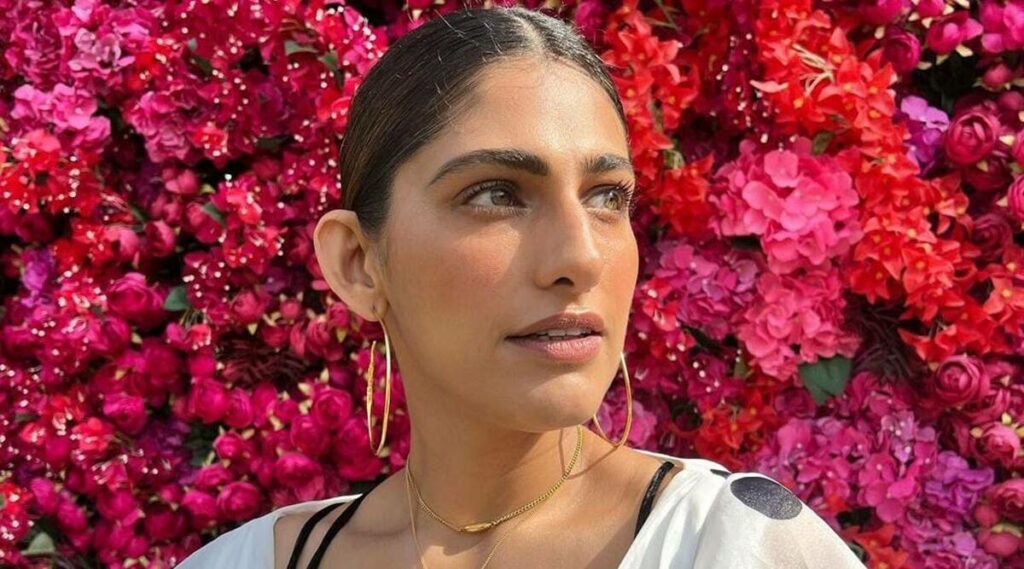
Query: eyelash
626, 190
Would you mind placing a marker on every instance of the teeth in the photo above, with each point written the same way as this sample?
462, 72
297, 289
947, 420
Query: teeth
562, 333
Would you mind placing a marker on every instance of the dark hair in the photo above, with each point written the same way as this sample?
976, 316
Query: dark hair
426, 76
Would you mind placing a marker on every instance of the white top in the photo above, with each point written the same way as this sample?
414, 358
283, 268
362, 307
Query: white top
705, 518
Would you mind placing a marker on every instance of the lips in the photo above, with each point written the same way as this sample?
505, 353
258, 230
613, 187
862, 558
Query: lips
590, 323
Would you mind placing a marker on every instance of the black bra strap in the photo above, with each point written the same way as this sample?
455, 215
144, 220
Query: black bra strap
307, 528
318, 555
652, 490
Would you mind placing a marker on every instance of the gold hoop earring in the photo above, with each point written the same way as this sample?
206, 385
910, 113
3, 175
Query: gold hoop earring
629, 409
387, 392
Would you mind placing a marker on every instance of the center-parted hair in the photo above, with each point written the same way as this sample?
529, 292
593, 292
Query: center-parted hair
426, 77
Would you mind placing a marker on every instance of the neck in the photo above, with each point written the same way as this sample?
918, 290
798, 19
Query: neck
472, 472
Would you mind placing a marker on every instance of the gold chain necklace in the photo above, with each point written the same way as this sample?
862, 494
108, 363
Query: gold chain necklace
483, 526
416, 540
412, 514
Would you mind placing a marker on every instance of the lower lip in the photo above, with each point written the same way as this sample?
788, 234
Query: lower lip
569, 350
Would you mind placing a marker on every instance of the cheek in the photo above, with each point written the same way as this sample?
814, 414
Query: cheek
455, 283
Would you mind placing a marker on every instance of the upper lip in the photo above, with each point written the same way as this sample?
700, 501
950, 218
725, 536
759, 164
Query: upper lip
565, 321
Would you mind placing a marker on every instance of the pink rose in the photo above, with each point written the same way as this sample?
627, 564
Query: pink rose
213, 476
239, 501
331, 408
208, 399
902, 49
951, 31
992, 234
1015, 199
232, 446
971, 136
239, 411
249, 306
163, 524
997, 444
998, 76
309, 437
183, 182
1008, 499
990, 175
881, 12
959, 379
301, 474
201, 506
111, 336
126, 411
930, 8
1001, 543
160, 239
132, 299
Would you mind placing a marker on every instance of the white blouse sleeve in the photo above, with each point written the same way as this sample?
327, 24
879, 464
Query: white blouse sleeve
250, 545
754, 522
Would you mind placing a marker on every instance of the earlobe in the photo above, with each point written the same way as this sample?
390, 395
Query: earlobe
341, 253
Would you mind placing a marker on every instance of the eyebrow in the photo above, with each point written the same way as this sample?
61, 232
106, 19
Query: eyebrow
529, 162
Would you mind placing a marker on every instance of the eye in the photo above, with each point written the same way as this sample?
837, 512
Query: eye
621, 196
498, 205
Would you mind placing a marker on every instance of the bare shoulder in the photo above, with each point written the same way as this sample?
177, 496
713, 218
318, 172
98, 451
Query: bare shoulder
286, 532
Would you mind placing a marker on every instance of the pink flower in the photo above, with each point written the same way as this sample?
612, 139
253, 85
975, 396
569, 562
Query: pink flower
300, 474
959, 380
126, 411
952, 31
1008, 499
804, 311
881, 12
331, 408
971, 136
1002, 542
997, 444
208, 399
239, 501
802, 206
1015, 199
1003, 22
201, 506
902, 49
309, 437
132, 299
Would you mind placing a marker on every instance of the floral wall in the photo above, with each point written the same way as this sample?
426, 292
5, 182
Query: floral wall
831, 291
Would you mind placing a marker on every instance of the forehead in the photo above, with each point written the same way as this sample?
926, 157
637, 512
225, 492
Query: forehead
545, 107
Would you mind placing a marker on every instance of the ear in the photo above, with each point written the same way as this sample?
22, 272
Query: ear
341, 250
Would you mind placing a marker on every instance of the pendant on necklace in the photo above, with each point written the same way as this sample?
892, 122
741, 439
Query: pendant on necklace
477, 528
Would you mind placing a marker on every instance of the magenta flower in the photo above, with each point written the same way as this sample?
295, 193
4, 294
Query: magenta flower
1003, 23
952, 31
802, 206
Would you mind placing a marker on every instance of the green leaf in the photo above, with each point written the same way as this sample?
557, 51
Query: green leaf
137, 213
272, 143
290, 47
330, 60
673, 159
741, 369
825, 377
212, 211
41, 544
177, 300
821, 142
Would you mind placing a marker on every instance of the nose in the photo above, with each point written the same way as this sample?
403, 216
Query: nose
568, 246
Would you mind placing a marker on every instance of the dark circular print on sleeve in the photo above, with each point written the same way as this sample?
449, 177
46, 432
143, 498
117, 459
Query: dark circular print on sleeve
766, 496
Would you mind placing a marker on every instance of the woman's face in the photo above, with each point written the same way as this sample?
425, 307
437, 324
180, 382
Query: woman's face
465, 271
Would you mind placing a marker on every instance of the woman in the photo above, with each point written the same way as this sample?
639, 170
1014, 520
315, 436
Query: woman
487, 175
